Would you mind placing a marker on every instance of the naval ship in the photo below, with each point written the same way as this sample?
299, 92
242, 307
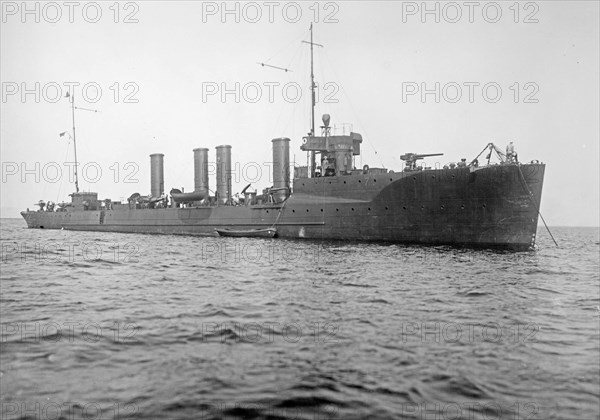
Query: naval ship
468, 203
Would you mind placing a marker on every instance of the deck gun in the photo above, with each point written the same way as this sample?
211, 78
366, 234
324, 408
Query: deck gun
411, 159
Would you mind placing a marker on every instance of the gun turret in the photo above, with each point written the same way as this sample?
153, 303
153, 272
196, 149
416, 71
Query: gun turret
411, 159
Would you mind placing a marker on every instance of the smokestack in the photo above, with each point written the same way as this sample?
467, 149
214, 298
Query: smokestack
223, 174
281, 168
201, 170
157, 176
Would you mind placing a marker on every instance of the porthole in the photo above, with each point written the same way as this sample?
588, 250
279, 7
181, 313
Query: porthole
307, 210
337, 209
352, 208
321, 210
359, 181
369, 209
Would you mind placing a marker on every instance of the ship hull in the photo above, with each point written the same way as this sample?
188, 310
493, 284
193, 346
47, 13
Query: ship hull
493, 206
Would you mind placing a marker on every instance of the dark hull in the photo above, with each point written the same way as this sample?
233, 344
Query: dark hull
495, 206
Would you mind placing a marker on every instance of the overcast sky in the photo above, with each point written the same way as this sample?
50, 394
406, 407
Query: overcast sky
527, 73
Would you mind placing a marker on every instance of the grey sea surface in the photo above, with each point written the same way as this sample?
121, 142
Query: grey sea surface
106, 326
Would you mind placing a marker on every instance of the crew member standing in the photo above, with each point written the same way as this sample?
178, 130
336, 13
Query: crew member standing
324, 164
510, 152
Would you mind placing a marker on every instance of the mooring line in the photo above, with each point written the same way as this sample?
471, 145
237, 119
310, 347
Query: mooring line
279, 214
535, 204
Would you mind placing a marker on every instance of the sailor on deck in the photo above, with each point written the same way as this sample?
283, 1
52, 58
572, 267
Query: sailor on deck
511, 155
324, 164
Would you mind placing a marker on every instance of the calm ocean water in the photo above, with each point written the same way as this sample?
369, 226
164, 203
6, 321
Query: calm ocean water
107, 326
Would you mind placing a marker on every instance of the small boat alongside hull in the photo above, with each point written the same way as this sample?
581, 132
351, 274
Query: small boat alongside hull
248, 233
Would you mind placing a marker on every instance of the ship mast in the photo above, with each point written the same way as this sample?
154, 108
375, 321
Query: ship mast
312, 86
74, 140
73, 108
313, 100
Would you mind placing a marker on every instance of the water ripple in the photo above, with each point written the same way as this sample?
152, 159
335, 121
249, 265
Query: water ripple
175, 327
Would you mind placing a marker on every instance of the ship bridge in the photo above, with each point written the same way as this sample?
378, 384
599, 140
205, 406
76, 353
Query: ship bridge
336, 152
